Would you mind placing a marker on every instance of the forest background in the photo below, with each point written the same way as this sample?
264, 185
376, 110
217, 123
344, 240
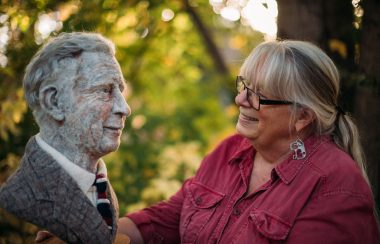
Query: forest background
179, 58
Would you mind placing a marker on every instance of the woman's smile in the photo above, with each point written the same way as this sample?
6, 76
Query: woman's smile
246, 117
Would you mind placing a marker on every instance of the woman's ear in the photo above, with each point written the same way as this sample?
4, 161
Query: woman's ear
49, 102
305, 117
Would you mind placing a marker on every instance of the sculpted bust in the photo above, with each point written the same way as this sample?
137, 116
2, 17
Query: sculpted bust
74, 86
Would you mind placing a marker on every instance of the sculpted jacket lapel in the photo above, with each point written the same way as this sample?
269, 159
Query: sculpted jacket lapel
79, 215
114, 205
74, 218
114, 208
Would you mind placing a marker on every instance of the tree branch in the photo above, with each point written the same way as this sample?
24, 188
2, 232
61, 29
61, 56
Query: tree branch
205, 33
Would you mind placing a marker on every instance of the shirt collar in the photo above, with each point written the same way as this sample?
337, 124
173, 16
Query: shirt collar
82, 177
244, 148
289, 168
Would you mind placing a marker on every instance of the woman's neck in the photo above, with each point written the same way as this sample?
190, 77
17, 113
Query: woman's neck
272, 154
278, 150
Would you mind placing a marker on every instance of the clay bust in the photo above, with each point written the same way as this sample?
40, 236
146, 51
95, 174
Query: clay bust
74, 87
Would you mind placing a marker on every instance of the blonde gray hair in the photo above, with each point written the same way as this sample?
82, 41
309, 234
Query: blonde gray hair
58, 61
301, 72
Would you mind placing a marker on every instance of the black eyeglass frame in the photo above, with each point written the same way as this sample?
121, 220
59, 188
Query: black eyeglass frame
240, 79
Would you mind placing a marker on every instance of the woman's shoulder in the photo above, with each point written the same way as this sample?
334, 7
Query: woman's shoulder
230, 148
339, 172
331, 159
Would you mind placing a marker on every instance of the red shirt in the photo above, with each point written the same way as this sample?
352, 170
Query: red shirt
320, 199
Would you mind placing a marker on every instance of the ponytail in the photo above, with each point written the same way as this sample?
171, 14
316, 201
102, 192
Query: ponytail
346, 136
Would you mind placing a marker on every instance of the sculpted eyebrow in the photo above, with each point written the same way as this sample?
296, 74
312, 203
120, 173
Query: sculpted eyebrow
122, 83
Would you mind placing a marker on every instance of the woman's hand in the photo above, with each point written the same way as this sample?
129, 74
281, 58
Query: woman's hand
45, 237
127, 227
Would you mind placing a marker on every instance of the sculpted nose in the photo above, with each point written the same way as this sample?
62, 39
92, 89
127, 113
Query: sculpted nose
120, 106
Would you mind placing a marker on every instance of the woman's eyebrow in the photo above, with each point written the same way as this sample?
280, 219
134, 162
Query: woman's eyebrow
258, 92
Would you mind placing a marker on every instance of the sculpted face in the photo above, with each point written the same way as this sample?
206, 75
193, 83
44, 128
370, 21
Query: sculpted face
95, 108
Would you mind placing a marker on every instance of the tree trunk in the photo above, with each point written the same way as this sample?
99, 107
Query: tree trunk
368, 99
369, 45
367, 114
327, 24
300, 19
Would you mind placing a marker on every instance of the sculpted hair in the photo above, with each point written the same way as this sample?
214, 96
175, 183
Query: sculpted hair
58, 58
301, 72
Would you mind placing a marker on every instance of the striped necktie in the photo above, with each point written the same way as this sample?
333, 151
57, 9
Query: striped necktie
103, 204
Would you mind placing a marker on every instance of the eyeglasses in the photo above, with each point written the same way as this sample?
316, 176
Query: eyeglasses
255, 99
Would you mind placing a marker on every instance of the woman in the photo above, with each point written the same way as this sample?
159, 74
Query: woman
294, 173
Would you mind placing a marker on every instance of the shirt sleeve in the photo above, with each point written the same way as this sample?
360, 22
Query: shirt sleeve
336, 217
160, 223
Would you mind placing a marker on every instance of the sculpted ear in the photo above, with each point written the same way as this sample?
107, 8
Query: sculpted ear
304, 119
49, 102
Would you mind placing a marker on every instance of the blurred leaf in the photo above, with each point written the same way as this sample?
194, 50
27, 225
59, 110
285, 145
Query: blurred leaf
339, 47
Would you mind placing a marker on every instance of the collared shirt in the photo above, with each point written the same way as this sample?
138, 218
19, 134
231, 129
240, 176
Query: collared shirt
322, 198
82, 177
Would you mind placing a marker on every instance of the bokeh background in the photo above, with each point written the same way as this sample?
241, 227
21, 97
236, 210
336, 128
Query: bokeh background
179, 58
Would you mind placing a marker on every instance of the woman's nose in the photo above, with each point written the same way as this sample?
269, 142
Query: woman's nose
241, 98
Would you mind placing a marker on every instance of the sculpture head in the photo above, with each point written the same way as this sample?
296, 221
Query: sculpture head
75, 87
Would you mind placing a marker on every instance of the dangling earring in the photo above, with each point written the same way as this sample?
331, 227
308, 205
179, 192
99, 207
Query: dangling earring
299, 149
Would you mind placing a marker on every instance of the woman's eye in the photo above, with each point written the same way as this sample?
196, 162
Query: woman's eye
261, 95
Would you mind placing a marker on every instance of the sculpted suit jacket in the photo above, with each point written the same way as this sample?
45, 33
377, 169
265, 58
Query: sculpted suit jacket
41, 192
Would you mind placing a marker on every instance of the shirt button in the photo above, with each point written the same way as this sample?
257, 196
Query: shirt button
198, 200
236, 211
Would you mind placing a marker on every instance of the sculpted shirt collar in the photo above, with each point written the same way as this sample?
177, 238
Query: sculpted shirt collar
82, 177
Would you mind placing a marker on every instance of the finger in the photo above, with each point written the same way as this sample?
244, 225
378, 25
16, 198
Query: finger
43, 235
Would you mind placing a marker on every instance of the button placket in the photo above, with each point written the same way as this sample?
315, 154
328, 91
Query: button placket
198, 200
236, 212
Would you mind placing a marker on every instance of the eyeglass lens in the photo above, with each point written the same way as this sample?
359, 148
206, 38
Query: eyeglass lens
252, 98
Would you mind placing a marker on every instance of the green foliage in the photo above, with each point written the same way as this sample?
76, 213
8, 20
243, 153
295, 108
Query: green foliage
182, 105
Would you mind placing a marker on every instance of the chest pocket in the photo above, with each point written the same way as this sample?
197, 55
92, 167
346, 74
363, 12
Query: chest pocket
198, 207
269, 225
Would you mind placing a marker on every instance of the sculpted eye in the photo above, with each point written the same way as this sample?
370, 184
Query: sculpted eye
121, 88
107, 90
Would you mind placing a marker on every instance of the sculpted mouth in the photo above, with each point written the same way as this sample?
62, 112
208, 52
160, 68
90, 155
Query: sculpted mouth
113, 127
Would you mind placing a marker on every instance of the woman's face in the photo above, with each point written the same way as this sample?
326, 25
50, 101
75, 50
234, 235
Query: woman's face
270, 126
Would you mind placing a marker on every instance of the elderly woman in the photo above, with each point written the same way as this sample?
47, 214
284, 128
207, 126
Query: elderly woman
294, 172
